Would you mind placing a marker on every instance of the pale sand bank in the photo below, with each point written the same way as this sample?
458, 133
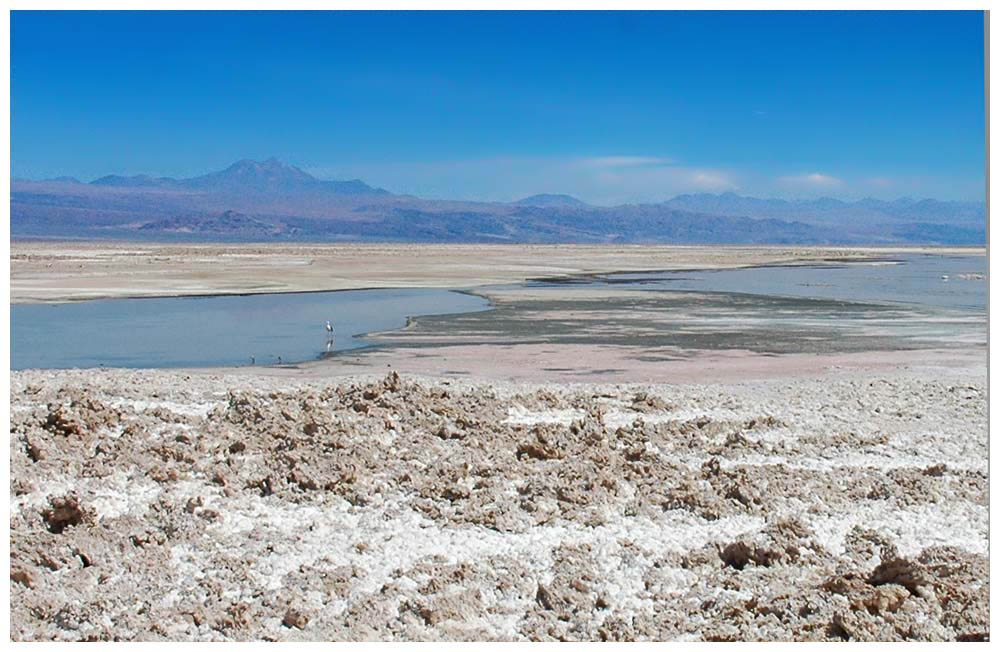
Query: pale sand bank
56, 271
589, 363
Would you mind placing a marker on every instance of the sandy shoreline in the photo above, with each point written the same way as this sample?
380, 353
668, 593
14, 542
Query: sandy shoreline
594, 363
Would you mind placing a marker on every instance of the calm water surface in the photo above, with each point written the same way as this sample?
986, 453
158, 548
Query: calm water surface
228, 330
214, 331
913, 279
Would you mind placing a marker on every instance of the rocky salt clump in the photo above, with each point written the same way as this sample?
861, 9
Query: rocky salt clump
160, 506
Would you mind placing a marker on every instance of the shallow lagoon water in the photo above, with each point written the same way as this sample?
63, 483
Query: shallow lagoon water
877, 305
229, 330
913, 279
215, 330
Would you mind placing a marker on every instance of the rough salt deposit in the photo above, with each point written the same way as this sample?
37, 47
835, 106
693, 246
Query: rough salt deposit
165, 506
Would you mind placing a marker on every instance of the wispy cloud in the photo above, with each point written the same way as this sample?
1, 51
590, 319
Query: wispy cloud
603, 180
619, 179
814, 179
713, 181
623, 161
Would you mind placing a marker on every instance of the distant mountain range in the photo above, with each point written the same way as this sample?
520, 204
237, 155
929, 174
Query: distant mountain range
833, 211
270, 200
267, 177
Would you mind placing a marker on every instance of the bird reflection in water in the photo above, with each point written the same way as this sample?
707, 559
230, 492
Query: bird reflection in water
329, 341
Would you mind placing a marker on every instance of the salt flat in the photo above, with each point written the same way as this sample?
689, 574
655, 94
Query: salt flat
233, 507
509, 476
48, 271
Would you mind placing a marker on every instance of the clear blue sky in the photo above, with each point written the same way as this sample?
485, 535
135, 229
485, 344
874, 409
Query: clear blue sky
608, 106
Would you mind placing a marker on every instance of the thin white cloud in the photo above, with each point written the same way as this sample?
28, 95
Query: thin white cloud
712, 180
650, 184
622, 161
601, 180
813, 179
612, 180
624, 180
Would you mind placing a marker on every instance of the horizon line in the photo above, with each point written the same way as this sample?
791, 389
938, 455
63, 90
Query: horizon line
275, 159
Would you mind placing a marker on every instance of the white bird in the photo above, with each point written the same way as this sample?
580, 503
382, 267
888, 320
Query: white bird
329, 328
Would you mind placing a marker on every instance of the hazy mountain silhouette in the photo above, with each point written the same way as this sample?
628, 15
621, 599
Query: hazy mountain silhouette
266, 177
830, 211
266, 200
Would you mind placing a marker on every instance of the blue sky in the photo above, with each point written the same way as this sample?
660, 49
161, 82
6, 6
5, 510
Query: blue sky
608, 106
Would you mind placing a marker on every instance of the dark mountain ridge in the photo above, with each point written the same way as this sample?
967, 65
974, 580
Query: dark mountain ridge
229, 223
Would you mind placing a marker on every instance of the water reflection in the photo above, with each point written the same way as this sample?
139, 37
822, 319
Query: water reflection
216, 331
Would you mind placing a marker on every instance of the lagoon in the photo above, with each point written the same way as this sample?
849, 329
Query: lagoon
934, 298
215, 330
